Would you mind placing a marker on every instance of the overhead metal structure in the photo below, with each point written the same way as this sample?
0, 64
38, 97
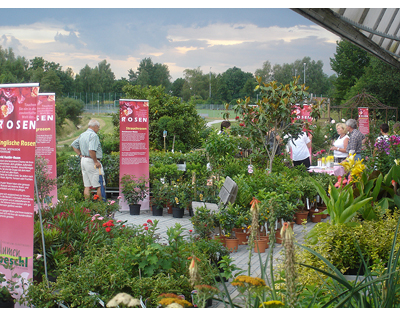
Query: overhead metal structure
375, 30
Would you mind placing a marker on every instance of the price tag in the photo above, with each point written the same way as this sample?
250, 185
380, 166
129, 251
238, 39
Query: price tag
164, 134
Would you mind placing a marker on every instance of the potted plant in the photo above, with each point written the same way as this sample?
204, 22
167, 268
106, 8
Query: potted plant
134, 190
6, 291
178, 199
203, 222
227, 218
159, 198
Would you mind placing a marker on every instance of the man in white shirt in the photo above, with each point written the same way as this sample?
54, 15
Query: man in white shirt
301, 149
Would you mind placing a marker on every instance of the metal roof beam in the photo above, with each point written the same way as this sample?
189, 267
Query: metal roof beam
328, 20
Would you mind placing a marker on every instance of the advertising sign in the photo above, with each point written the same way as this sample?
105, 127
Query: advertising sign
134, 143
18, 104
363, 120
46, 138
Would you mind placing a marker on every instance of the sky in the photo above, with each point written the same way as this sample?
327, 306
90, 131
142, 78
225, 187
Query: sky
214, 39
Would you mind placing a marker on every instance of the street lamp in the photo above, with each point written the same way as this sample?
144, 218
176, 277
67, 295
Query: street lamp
210, 85
304, 73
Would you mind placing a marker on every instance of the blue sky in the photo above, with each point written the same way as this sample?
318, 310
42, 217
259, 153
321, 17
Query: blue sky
219, 38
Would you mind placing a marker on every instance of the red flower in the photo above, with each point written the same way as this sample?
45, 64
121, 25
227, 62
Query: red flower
237, 117
108, 229
96, 197
150, 221
393, 182
241, 124
190, 230
145, 224
146, 228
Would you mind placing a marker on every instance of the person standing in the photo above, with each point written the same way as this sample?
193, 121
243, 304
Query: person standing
384, 132
87, 146
301, 149
225, 125
356, 139
340, 145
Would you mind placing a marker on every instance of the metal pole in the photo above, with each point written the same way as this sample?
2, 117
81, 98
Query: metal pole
304, 73
41, 228
210, 84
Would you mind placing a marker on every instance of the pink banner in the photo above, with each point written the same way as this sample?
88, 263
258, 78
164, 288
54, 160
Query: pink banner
134, 143
363, 120
46, 138
17, 170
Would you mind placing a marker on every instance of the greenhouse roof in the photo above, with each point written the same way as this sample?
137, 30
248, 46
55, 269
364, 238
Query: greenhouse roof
375, 30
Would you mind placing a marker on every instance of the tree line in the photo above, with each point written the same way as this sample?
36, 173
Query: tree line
210, 88
356, 71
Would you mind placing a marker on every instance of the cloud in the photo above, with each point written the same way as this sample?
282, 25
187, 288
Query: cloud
71, 39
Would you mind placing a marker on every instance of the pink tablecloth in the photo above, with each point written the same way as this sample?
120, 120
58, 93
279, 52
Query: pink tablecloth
336, 170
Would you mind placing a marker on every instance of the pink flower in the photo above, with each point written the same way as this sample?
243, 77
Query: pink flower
146, 228
111, 202
119, 197
119, 221
100, 218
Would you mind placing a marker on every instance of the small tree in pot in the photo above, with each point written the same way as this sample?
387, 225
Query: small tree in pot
134, 190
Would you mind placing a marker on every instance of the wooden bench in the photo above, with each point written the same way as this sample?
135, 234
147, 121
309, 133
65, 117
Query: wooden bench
227, 194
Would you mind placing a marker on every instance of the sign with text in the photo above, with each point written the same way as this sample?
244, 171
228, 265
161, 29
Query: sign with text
18, 104
363, 120
134, 143
46, 138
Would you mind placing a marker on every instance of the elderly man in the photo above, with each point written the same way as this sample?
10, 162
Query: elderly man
87, 147
356, 139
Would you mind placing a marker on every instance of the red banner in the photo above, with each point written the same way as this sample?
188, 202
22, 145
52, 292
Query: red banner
18, 104
134, 143
46, 138
363, 120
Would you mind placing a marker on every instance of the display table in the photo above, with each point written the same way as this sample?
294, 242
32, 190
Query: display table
336, 170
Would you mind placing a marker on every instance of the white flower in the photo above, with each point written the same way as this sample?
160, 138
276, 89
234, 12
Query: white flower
333, 122
343, 120
124, 299
326, 136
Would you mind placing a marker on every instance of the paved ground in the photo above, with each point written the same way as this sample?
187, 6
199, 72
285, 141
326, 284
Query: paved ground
241, 257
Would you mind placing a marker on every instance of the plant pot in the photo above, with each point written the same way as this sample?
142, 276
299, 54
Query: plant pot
134, 209
7, 304
242, 236
221, 239
299, 217
315, 216
157, 210
260, 245
278, 237
321, 209
232, 244
169, 208
177, 212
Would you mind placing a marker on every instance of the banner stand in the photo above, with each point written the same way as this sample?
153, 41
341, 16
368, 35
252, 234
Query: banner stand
41, 229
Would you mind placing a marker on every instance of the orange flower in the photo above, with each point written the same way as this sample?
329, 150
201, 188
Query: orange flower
96, 197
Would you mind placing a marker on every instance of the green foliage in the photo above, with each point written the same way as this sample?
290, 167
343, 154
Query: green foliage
179, 119
203, 222
68, 108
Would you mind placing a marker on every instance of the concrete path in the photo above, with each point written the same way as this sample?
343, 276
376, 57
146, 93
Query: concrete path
241, 257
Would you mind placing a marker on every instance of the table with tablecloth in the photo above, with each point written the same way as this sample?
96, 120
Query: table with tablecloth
336, 170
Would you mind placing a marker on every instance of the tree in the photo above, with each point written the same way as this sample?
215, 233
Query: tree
349, 63
274, 112
196, 84
106, 76
149, 74
235, 79
265, 72
177, 87
170, 113
68, 108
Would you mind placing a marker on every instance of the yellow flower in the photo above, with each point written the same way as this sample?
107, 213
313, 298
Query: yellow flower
176, 200
397, 161
201, 197
252, 281
271, 304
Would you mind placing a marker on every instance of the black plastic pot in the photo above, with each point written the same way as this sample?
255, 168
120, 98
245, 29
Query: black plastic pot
177, 212
134, 209
157, 210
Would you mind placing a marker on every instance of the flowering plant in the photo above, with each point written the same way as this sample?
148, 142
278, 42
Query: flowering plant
134, 190
354, 168
387, 150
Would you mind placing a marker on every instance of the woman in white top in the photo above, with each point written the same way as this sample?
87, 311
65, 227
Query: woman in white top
340, 145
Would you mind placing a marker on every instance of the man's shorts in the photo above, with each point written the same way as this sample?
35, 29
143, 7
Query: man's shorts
90, 173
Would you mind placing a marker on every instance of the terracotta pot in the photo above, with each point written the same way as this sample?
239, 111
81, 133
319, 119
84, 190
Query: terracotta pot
323, 208
237, 230
260, 245
300, 216
221, 239
232, 244
278, 237
242, 236
315, 216
169, 207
